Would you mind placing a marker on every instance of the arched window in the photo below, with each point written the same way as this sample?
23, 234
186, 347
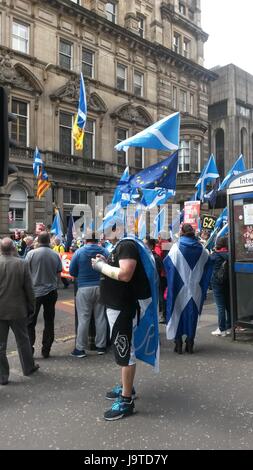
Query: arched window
220, 152
18, 208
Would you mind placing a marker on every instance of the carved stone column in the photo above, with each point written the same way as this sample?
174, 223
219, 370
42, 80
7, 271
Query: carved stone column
98, 6
156, 24
131, 22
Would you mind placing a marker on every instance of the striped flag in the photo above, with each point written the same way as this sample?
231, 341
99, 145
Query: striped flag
39, 171
43, 184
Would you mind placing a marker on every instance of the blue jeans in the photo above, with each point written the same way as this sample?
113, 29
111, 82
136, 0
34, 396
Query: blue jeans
221, 297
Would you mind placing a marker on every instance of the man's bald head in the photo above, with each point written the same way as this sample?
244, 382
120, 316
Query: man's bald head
7, 247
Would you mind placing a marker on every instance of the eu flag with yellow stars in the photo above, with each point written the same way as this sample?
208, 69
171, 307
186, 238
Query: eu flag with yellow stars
160, 175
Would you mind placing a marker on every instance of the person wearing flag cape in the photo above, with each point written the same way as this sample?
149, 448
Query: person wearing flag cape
129, 289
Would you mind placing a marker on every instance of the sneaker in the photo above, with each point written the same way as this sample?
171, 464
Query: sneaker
228, 332
78, 353
119, 409
45, 353
116, 392
216, 332
34, 368
223, 334
100, 351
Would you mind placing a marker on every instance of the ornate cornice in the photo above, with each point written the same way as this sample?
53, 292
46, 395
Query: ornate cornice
100, 24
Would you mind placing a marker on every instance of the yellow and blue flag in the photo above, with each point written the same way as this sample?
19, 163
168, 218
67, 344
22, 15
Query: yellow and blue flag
81, 117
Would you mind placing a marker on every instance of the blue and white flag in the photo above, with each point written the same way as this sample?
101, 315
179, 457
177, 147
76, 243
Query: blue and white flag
56, 226
38, 163
188, 270
236, 169
209, 173
222, 219
146, 331
122, 184
163, 135
156, 197
159, 222
223, 232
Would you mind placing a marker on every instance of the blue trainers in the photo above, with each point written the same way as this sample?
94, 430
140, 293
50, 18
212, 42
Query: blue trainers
116, 392
120, 408
78, 353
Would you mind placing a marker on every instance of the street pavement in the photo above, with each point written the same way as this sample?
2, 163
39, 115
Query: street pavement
199, 401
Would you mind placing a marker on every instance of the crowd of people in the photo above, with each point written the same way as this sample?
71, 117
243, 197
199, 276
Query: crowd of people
112, 285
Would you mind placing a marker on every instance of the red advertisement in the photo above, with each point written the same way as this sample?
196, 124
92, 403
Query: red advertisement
65, 259
192, 213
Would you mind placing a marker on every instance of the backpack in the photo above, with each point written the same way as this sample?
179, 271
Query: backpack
221, 275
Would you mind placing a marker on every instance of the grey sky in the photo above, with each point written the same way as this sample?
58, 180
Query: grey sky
229, 24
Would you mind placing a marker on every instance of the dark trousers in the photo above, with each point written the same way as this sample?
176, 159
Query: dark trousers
48, 301
221, 297
19, 328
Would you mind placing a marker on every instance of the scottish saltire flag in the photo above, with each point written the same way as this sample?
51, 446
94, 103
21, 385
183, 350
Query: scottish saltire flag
209, 173
163, 135
223, 232
236, 169
80, 120
222, 219
142, 227
160, 175
122, 187
156, 197
37, 163
146, 332
56, 225
159, 222
188, 270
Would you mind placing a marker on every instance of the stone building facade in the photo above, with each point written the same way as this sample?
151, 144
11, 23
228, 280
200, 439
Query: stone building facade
231, 117
141, 59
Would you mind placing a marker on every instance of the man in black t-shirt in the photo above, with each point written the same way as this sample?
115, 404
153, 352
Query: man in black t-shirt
123, 283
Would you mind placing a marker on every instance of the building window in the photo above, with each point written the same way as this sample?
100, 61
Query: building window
88, 63
138, 83
176, 43
65, 54
121, 77
245, 112
74, 196
182, 9
66, 141
89, 139
191, 104
183, 101
174, 97
110, 10
196, 156
186, 48
184, 157
18, 208
20, 37
139, 157
19, 129
122, 157
141, 25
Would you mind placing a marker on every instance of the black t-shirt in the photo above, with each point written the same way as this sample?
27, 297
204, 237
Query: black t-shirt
120, 295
